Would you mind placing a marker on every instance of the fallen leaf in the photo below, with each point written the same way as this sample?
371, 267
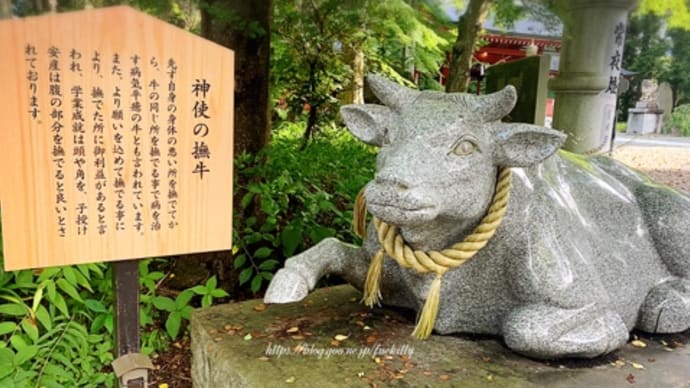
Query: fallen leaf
636, 365
260, 307
290, 380
638, 344
427, 373
631, 378
360, 374
353, 299
297, 337
213, 332
618, 363
405, 358
298, 349
489, 378
340, 337
293, 329
218, 339
370, 339
444, 377
248, 337
388, 357
366, 328
359, 323
378, 360
263, 358
163, 385
335, 343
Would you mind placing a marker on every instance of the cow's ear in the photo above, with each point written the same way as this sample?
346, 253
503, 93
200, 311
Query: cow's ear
367, 122
522, 145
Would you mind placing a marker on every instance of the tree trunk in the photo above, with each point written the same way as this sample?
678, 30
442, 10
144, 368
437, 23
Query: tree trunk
245, 27
469, 26
354, 94
5, 9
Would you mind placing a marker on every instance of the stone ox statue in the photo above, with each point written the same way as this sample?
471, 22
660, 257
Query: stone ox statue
562, 262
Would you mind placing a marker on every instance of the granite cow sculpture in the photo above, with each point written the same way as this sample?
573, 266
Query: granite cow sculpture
587, 249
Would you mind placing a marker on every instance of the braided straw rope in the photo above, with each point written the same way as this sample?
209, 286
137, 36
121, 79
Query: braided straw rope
394, 246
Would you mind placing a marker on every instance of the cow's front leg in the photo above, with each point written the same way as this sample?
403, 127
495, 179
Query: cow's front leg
544, 331
300, 274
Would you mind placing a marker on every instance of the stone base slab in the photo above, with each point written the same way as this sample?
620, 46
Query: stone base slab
331, 340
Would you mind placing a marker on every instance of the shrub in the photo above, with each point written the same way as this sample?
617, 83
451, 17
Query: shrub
291, 200
679, 123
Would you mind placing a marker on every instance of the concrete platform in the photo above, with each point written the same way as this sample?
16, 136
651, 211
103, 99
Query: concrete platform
331, 340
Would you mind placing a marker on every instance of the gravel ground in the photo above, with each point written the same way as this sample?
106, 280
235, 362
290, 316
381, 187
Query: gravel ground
668, 165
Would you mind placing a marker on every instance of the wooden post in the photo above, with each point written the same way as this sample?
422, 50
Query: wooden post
126, 287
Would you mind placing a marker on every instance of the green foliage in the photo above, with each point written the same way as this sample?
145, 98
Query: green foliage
291, 200
679, 123
209, 291
314, 44
676, 12
53, 328
645, 53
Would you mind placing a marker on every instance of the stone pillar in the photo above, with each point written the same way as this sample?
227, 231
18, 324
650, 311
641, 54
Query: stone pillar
590, 64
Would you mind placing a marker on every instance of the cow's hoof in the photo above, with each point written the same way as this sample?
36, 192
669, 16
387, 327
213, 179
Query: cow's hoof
666, 308
544, 332
286, 286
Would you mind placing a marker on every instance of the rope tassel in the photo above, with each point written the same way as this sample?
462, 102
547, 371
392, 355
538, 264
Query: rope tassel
427, 318
372, 290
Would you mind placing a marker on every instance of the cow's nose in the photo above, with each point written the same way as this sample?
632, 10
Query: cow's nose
390, 180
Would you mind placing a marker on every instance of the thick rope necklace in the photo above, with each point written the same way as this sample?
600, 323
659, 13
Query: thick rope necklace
394, 246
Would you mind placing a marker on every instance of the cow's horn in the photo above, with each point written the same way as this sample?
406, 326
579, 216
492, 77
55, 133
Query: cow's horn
390, 93
497, 105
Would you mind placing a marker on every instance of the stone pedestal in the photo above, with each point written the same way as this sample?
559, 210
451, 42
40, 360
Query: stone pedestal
590, 65
643, 120
331, 340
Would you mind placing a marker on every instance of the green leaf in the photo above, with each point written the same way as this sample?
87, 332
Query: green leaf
30, 329
68, 289
186, 312
70, 276
219, 293
172, 324
7, 327
268, 264
59, 302
245, 275
206, 300
239, 261
211, 283
164, 303
44, 317
6, 362
25, 354
256, 284
199, 290
183, 299
95, 306
13, 309
37, 297
291, 237
267, 275
263, 252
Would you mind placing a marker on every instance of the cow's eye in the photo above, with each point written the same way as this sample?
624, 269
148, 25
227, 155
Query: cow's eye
464, 147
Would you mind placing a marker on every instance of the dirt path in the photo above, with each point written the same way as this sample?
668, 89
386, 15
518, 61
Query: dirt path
667, 165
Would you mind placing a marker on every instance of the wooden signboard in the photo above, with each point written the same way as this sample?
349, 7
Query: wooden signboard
116, 134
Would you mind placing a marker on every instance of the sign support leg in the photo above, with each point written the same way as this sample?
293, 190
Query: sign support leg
130, 366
